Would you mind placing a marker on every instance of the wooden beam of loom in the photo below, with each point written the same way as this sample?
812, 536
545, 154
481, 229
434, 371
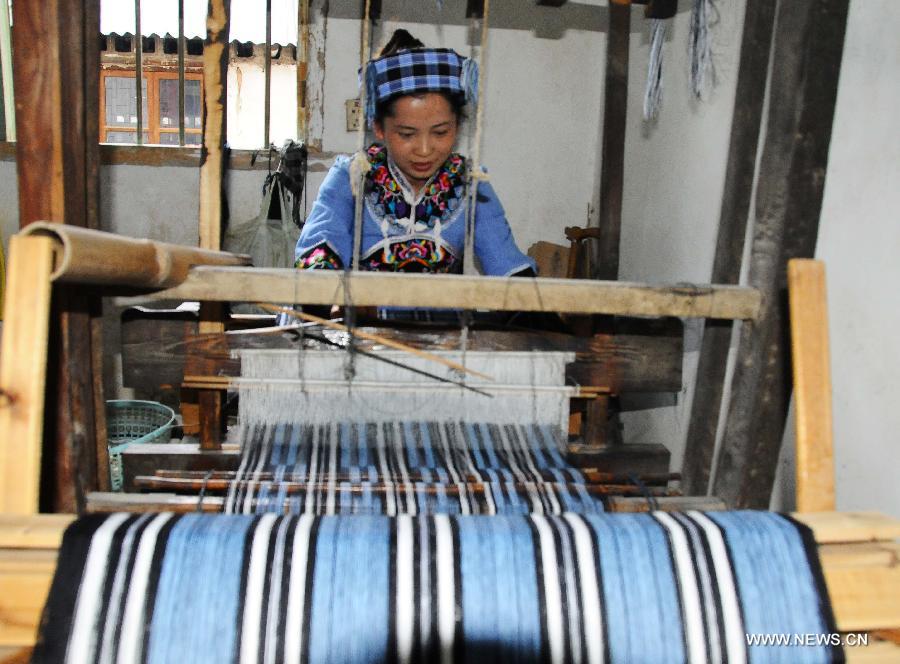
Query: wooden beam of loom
584, 296
861, 572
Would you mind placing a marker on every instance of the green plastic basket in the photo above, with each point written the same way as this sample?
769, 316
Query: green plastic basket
130, 422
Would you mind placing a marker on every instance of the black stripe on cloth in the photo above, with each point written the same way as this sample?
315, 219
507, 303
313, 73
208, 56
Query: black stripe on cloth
458, 646
242, 593
310, 577
59, 611
542, 594
705, 573
268, 587
568, 606
431, 640
811, 549
568, 537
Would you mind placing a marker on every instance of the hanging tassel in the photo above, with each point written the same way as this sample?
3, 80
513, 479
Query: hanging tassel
468, 80
702, 73
653, 94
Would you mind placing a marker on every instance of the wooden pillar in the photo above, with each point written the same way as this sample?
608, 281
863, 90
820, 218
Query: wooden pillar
759, 19
615, 101
57, 158
212, 171
808, 45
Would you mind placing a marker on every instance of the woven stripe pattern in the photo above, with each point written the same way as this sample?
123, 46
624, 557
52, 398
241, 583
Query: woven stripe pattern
659, 587
408, 467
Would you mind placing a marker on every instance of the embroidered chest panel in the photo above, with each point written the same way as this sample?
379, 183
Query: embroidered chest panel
388, 197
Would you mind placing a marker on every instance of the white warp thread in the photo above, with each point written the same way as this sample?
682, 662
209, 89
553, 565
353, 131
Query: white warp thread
282, 386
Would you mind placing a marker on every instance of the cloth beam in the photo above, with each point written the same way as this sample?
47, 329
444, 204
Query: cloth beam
572, 588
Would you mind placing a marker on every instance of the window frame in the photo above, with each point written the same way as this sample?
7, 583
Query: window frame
151, 124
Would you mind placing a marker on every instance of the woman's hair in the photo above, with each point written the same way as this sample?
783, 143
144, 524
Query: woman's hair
401, 41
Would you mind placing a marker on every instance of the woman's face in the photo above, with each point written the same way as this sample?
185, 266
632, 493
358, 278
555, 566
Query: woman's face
420, 135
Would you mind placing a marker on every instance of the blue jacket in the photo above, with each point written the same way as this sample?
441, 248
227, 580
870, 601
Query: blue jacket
401, 234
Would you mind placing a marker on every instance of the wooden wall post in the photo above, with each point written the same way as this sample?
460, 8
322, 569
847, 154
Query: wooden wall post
212, 168
808, 45
57, 164
615, 101
759, 19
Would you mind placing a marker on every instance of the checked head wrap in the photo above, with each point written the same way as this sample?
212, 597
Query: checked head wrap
419, 70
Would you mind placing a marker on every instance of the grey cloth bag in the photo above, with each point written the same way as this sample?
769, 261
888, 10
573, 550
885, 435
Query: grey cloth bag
269, 242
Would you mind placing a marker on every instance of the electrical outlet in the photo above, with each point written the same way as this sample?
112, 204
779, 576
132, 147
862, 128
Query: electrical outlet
354, 114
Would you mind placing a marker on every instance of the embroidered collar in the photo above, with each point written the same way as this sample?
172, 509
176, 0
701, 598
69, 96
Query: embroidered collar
394, 205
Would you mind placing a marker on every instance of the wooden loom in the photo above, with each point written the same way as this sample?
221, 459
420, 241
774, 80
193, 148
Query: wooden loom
858, 551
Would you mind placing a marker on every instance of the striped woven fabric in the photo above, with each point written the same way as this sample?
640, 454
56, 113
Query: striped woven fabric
407, 468
359, 589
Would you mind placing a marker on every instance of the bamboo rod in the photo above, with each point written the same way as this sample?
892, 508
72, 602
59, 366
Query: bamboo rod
95, 257
267, 94
181, 73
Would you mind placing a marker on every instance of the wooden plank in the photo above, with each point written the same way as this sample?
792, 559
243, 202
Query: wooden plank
867, 554
759, 17
615, 110
788, 200
290, 286
874, 652
812, 386
836, 527
633, 504
25, 578
33, 531
864, 598
23, 372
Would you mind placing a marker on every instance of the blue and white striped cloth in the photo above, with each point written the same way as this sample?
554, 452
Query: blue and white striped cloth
573, 588
407, 468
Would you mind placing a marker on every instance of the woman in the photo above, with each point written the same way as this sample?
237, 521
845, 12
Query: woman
415, 202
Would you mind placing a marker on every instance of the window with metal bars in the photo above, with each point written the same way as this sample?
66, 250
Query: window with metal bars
166, 109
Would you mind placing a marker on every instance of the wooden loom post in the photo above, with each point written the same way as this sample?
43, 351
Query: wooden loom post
58, 161
211, 403
23, 372
812, 386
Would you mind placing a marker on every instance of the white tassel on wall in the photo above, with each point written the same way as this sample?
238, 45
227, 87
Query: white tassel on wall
702, 71
659, 28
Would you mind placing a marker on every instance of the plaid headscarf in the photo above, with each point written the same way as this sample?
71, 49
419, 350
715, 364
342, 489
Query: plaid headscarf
419, 70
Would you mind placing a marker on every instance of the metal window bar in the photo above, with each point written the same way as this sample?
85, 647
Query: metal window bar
138, 72
181, 46
268, 93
